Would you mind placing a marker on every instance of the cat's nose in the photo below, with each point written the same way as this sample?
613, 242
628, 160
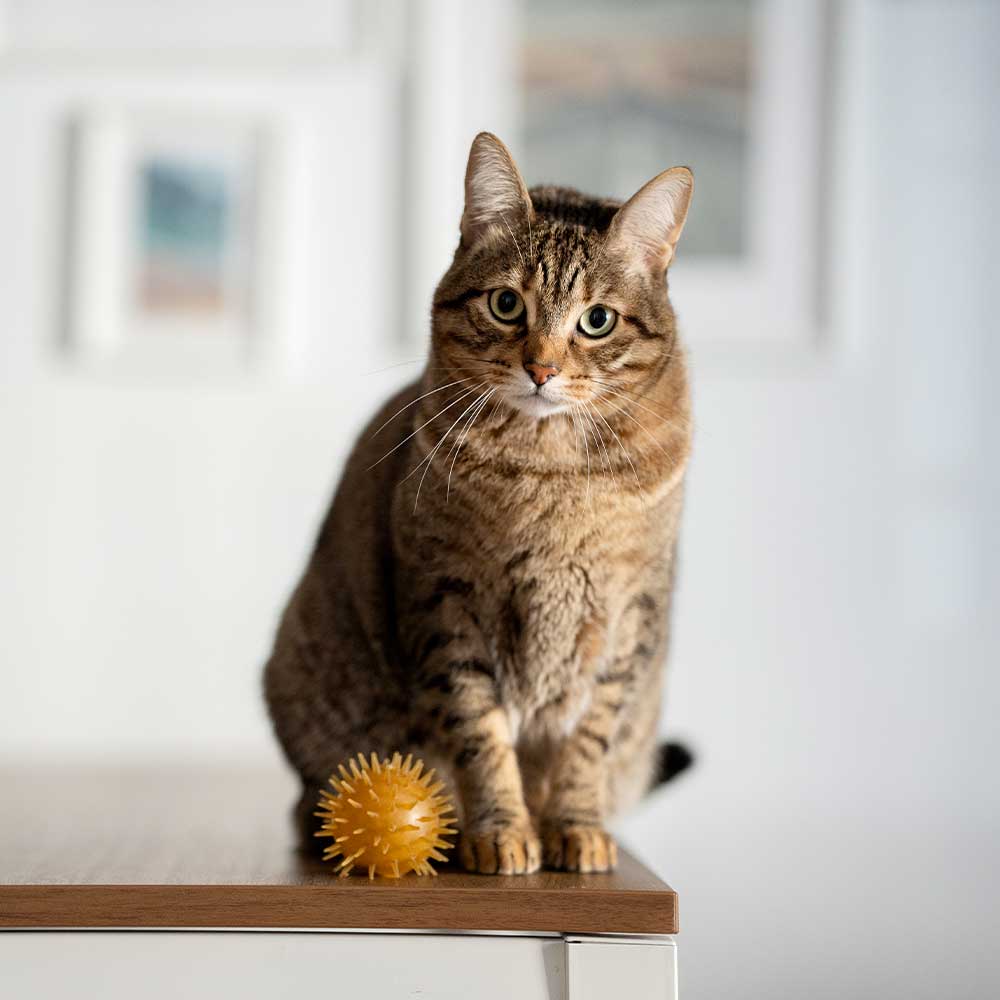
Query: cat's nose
540, 373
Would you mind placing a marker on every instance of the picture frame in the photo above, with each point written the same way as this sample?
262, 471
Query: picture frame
176, 262
767, 302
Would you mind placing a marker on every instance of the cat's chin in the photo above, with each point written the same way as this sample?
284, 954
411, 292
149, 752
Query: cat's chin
538, 406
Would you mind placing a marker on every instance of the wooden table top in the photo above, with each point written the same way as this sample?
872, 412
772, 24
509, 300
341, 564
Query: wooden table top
173, 848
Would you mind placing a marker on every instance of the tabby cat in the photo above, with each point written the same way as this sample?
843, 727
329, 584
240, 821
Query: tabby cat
491, 587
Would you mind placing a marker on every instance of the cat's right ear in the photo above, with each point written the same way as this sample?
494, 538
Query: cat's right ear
495, 193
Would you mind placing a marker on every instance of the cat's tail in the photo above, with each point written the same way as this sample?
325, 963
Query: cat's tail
671, 760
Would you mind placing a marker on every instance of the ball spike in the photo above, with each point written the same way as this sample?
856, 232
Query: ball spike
350, 857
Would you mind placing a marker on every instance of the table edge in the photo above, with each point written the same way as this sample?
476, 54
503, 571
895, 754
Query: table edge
620, 911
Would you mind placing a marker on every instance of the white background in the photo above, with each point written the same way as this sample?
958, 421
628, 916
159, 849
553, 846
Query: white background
837, 643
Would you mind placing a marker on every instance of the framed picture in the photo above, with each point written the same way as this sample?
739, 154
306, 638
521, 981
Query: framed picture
602, 96
176, 262
612, 94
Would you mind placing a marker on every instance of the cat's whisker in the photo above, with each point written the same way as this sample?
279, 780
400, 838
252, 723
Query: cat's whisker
452, 451
577, 422
606, 456
463, 436
452, 403
590, 425
607, 388
398, 364
493, 412
576, 435
628, 457
429, 458
524, 266
632, 398
645, 430
416, 361
457, 444
413, 402
464, 395
449, 368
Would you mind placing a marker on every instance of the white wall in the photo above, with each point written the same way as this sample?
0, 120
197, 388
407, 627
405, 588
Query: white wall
836, 622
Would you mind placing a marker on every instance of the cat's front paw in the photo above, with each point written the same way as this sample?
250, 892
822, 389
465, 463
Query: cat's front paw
579, 848
506, 850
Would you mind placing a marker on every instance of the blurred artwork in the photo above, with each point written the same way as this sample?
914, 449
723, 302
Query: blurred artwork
615, 93
185, 226
168, 272
192, 226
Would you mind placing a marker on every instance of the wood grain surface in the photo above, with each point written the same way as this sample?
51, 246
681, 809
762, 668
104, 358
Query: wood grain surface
195, 848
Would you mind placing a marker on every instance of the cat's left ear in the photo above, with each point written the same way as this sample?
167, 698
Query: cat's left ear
647, 227
495, 193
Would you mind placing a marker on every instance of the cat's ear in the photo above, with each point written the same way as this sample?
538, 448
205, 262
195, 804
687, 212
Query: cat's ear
647, 227
495, 193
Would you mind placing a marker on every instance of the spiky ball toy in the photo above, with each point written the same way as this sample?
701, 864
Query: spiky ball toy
386, 816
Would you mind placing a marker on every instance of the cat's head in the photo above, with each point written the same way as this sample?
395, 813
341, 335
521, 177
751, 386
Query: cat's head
555, 298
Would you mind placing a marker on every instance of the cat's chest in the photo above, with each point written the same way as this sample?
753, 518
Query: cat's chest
549, 628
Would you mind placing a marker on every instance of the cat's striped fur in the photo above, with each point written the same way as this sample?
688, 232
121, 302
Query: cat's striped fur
491, 588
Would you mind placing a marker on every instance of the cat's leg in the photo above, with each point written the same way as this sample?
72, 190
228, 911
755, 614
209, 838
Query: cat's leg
470, 729
608, 753
458, 708
634, 756
497, 832
572, 827
534, 759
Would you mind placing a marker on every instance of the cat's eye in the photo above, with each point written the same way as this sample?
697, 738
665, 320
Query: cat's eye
506, 305
597, 321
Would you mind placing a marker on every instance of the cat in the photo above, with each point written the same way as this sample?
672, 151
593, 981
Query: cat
491, 588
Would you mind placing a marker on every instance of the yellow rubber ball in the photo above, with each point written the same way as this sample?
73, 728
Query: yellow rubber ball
387, 816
